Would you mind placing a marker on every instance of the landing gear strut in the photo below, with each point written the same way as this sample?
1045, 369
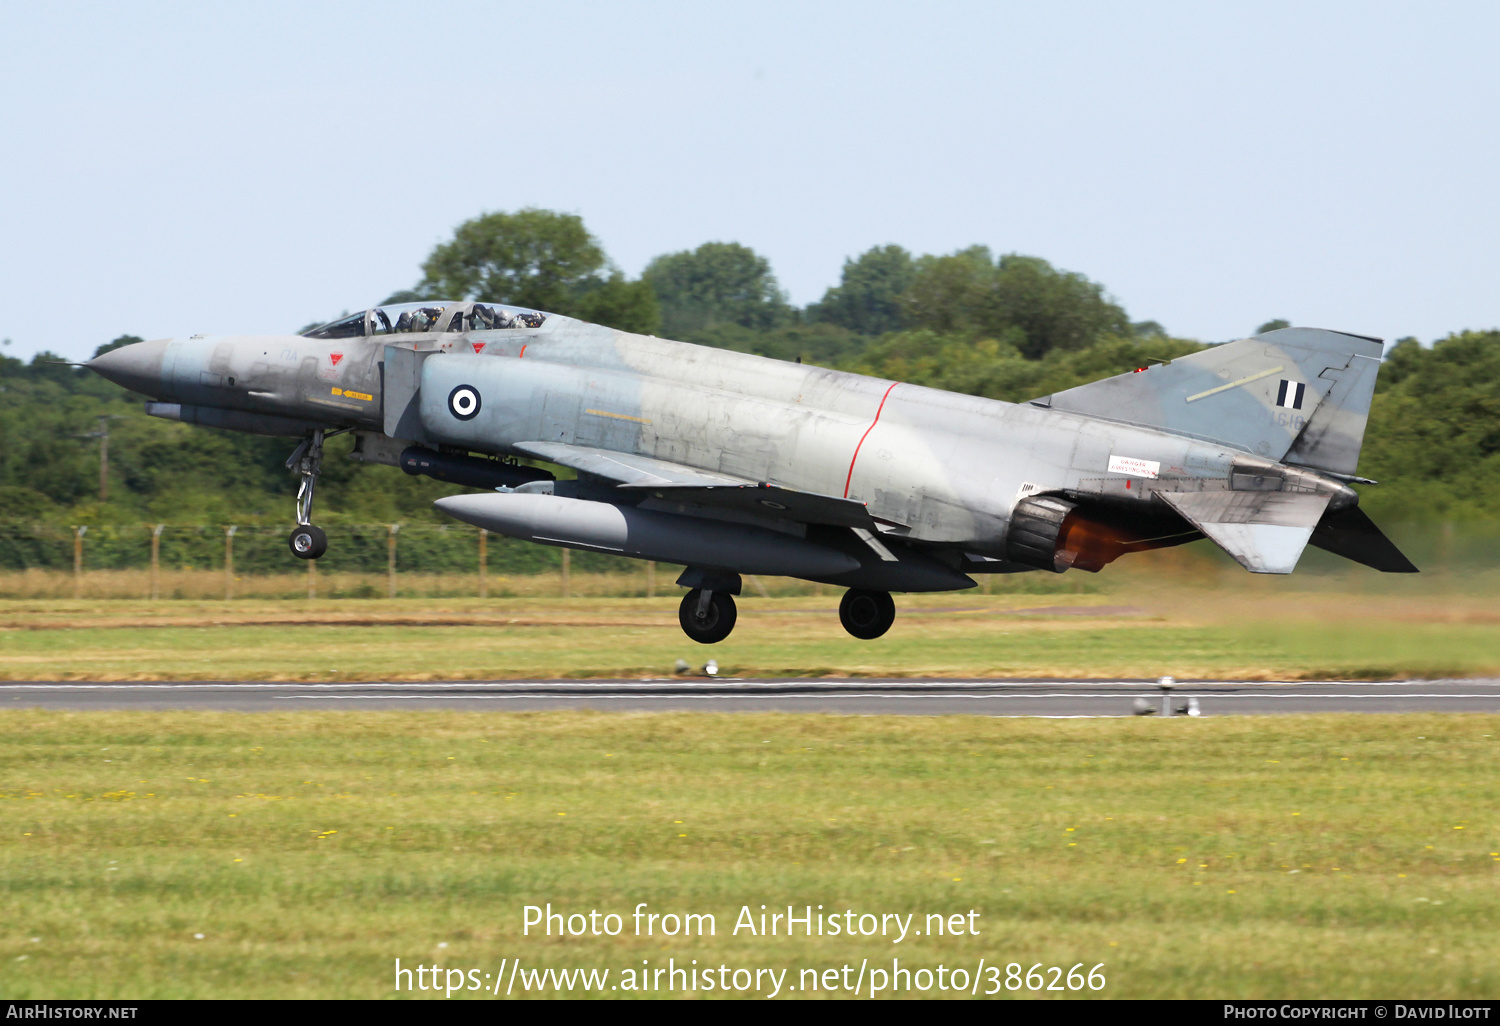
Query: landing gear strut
707, 616
307, 541
867, 614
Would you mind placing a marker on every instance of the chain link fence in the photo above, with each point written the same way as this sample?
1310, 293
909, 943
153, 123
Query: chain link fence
363, 560
387, 560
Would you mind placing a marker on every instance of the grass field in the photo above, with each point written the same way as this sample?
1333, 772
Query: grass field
1354, 856
1257, 630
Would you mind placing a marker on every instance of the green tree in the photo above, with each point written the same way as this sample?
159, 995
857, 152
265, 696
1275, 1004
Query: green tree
969, 292
1433, 439
618, 303
539, 259
868, 298
534, 258
1056, 309
947, 293
1275, 325
719, 283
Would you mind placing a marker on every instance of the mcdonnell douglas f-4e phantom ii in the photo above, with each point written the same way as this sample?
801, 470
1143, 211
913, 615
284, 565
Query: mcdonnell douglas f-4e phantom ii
734, 464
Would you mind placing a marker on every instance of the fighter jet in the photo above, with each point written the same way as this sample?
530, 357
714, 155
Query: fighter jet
732, 464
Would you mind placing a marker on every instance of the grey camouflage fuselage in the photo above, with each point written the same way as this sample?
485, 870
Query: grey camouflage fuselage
1251, 443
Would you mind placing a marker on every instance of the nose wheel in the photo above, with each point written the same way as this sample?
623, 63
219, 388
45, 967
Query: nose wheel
307, 541
867, 614
707, 616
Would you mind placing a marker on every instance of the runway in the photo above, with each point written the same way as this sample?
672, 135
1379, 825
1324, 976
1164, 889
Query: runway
929, 697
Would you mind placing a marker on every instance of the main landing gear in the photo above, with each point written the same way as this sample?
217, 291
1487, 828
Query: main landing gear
707, 616
307, 541
867, 614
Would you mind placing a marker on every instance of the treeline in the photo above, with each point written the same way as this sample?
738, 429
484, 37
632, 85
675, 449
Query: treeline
1010, 327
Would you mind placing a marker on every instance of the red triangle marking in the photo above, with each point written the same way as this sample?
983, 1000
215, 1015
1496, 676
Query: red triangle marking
334, 358
478, 347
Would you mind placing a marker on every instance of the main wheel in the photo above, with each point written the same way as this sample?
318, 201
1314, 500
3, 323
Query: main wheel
715, 623
867, 614
308, 542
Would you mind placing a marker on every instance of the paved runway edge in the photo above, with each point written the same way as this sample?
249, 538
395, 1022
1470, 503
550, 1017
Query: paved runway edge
929, 696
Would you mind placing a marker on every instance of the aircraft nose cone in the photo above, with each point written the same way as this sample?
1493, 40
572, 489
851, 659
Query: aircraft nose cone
137, 366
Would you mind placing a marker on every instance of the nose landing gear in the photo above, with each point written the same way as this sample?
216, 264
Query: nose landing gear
867, 614
307, 541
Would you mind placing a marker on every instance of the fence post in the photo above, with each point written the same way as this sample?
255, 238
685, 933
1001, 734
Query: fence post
312, 579
484, 586
390, 560
156, 562
567, 553
78, 533
229, 562
651, 578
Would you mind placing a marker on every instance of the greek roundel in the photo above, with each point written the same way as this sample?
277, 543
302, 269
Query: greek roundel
464, 402
1290, 393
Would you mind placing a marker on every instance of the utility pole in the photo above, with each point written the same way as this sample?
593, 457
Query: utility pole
229, 562
103, 459
484, 589
156, 562
390, 560
78, 533
103, 435
651, 578
566, 554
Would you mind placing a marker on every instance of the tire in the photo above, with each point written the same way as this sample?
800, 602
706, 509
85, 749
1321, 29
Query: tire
867, 614
716, 622
308, 542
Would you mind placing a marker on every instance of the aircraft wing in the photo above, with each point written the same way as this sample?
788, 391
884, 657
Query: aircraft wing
674, 482
628, 470
1264, 531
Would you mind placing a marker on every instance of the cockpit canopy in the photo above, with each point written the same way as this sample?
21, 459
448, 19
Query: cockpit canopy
431, 315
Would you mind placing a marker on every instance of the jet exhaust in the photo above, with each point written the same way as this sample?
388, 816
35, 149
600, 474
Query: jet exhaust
1054, 534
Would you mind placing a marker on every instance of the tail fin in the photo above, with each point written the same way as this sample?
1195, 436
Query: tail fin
1301, 395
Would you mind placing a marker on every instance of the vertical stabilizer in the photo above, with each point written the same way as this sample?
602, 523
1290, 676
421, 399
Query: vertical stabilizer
1299, 394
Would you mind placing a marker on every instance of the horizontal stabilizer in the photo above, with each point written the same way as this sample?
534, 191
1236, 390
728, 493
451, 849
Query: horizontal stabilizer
1264, 531
1352, 534
675, 483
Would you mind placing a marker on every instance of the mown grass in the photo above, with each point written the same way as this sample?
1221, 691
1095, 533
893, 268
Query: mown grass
1334, 856
1252, 633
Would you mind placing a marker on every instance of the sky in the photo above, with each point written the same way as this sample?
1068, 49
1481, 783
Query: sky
174, 168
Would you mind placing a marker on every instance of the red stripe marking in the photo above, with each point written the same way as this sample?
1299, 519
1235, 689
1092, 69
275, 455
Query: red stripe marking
866, 435
521, 353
